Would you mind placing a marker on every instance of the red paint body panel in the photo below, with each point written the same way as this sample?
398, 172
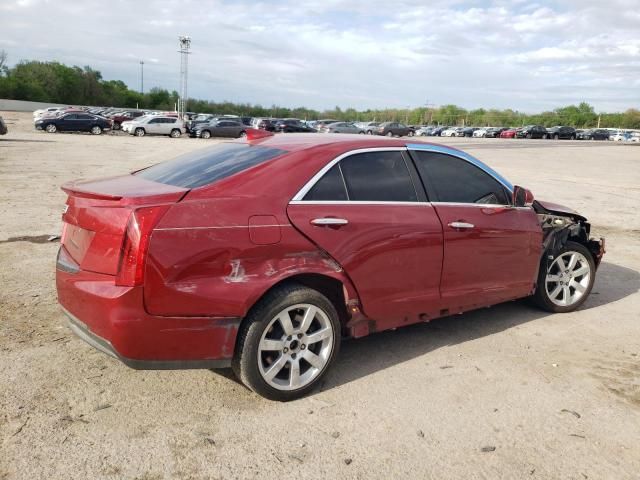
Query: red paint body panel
116, 314
495, 261
392, 253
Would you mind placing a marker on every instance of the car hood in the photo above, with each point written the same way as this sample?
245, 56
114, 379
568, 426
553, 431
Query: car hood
557, 208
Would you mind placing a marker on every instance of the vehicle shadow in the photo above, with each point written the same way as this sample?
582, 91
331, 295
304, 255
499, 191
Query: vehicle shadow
24, 140
368, 355
362, 357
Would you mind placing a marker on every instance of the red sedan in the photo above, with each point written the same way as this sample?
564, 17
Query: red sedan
263, 254
510, 133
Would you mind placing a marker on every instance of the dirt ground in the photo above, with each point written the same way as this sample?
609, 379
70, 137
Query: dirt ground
506, 392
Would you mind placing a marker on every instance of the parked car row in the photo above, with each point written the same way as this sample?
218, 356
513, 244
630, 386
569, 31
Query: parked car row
145, 122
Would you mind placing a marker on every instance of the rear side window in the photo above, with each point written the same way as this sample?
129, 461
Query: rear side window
329, 187
456, 180
205, 167
378, 176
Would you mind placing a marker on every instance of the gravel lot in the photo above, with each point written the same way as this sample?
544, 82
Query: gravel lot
506, 392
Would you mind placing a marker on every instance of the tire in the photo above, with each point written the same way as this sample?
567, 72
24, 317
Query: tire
410, 134
556, 137
529, 136
116, 126
139, 132
361, 132
252, 361
553, 276
205, 134
51, 128
369, 132
242, 134
175, 133
573, 137
389, 134
96, 130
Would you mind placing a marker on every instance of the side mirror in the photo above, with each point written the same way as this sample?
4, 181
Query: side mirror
522, 197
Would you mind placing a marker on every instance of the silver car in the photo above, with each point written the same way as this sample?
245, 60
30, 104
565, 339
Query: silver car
157, 125
341, 127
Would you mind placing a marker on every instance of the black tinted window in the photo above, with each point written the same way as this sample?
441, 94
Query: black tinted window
329, 187
378, 176
456, 180
204, 167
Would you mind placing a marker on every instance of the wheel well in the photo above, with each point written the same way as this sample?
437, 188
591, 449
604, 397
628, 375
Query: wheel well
328, 286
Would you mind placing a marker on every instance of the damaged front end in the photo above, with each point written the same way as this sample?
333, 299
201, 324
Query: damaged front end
560, 225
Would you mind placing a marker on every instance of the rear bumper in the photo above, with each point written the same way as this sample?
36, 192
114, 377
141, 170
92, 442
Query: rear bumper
113, 320
99, 343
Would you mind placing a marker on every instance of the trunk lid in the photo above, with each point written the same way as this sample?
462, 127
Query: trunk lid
97, 212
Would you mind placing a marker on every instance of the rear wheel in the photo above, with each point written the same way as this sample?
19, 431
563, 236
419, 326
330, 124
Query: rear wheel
369, 132
410, 134
242, 134
567, 281
175, 133
287, 343
96, 130
139, 132
51, 128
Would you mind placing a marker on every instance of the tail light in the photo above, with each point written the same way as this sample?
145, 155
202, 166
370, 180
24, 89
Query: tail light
135, 244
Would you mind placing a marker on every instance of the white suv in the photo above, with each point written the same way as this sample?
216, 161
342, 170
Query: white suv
156, 125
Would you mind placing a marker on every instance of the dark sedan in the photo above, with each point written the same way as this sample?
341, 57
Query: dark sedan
394, 129
74, 122
293, 125
219, 128
532, 131
559, 132
494, 132
593, 134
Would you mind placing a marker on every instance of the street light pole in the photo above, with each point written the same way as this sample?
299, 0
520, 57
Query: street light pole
141, 77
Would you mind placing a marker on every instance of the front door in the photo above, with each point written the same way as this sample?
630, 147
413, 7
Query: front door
369, 213
491, 249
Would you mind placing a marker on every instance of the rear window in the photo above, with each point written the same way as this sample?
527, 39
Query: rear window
204, 167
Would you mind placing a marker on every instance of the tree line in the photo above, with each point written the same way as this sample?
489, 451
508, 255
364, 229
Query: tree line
53, 82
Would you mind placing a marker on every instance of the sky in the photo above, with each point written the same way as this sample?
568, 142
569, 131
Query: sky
523, 54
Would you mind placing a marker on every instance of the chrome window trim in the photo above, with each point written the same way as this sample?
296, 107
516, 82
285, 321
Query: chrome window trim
466, 157
353, 202
298, 197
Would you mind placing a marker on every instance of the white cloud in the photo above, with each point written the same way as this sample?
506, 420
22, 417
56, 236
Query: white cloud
321, 53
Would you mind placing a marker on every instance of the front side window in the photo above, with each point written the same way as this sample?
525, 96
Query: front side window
455, 180
368, 177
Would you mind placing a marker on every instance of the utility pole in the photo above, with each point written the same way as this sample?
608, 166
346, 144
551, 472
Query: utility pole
185, 46
599, 121
141, 77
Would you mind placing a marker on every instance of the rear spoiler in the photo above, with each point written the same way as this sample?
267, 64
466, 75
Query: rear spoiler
71, 189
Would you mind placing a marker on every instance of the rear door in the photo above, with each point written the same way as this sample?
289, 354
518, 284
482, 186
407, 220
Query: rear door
368, 211
491, 249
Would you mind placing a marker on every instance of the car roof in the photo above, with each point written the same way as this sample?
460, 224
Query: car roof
305, 141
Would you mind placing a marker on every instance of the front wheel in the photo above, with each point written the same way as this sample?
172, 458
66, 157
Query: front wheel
51, 128
175, 133
410, 134
389, 134
242, 134
139, 132
287, 343
567, 280
205, 134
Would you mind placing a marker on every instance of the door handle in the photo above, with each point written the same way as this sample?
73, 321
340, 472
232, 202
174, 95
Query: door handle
463, 225
329, 221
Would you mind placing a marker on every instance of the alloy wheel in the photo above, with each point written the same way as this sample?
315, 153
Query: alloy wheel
295, 347
568, 278
51, 128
